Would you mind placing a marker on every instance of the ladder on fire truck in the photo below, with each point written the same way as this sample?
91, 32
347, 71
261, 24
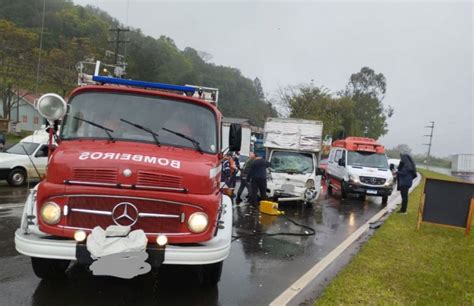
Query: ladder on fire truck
103, 76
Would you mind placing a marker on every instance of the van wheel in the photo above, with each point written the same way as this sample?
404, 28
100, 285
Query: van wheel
384, 199
343, 190
49, 269
17, 177
329, 189
211, 274
361, 197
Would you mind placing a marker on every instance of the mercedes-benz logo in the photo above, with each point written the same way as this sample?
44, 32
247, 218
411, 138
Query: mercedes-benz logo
373, 180
125, 214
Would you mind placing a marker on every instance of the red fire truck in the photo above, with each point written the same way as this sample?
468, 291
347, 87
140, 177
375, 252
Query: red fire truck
135, 173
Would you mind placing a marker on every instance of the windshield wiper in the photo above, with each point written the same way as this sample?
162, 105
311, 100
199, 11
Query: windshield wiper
194, 141
154, 134
107, 130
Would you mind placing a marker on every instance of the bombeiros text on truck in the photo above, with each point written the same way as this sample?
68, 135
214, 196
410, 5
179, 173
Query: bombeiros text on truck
134, 178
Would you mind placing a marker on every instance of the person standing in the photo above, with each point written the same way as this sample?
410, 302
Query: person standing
405, 175
244, 182
235, 168
258, 178
226, 170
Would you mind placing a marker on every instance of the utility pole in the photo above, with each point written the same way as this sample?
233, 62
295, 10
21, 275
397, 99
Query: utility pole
117, 42
431, 138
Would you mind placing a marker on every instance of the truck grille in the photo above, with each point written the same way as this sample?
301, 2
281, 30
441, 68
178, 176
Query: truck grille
103, 175
152, 216
159, 180
372, 180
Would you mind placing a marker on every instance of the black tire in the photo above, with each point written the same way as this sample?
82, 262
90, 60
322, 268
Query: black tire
329, 189
211, 274
343, 190
361, 197
49, 269
17, 177
384, 200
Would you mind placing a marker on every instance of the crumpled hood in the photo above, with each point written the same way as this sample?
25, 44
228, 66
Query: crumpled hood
134, 164
297, 180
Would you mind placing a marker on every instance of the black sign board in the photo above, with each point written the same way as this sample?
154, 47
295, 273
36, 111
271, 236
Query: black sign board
447, 203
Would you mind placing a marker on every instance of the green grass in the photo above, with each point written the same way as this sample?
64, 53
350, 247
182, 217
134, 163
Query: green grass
401, 265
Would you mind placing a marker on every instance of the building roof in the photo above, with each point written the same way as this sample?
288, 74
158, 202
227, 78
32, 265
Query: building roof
28, 97
235, 120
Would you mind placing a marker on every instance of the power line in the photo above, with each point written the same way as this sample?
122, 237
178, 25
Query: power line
117, 41
431, 139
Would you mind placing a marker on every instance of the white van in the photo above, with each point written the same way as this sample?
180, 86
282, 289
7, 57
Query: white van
16, 162
359, 165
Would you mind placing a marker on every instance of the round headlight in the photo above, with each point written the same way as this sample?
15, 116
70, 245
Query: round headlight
50, 213
51, 106
197, 222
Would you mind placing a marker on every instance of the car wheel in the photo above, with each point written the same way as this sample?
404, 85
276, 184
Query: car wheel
49, 269
211, 274
17, 177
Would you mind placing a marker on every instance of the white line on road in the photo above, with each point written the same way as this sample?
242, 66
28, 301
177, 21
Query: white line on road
291, 292
10, 206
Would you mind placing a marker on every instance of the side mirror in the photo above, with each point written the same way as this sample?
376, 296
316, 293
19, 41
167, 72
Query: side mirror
392, 167
235, 137
341, 162
319, 171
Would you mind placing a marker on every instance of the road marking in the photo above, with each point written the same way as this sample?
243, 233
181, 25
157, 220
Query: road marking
291, 292
9, 206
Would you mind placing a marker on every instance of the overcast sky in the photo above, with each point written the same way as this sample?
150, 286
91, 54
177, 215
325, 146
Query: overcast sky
425, 50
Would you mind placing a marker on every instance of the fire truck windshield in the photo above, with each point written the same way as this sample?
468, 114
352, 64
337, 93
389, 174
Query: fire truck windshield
157, 114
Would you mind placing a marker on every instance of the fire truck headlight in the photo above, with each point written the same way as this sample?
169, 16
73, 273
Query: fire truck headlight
51, 106
161, 240
197, 222
50, 213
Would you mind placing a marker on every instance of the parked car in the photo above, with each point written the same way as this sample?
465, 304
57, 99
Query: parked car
16, 162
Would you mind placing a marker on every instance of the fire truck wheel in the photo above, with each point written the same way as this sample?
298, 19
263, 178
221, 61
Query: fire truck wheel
17, 177
211, 274
46, 268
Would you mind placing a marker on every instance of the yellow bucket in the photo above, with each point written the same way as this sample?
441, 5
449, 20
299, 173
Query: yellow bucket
270, 208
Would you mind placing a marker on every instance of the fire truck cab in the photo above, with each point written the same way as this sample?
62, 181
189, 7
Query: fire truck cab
135, 175
359, 165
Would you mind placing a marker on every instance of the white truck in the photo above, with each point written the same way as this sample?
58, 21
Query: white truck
293, 148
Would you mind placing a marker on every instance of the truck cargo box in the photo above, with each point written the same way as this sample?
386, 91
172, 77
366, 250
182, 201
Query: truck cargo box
293, 134
463, 163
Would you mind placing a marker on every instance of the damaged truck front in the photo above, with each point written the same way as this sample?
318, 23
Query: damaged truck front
135, 175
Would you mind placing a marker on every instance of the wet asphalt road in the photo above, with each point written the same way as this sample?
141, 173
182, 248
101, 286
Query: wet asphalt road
258, 269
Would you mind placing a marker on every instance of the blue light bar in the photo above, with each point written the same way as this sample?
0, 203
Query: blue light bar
143, 84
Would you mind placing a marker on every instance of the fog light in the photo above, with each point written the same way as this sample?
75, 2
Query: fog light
161, 240
50, 213
197, 222
80, 236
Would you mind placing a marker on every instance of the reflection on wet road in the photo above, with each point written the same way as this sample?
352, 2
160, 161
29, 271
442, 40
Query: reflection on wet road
258, 269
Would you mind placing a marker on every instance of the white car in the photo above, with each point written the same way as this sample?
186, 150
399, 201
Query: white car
16, 162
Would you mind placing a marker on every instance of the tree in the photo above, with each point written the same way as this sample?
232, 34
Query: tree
395, 152
367, 89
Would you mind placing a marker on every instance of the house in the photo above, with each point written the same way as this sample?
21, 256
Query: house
23, 115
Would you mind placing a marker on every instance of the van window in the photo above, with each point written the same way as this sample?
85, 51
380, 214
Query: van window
367, 159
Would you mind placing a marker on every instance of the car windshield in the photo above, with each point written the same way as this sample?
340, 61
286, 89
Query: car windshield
367, 159
154, 113
30, 147
292, 162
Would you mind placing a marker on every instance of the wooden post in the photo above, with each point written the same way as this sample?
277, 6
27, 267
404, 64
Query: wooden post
421, 205
469, 218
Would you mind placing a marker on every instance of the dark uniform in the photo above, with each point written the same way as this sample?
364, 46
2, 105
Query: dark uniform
258, 177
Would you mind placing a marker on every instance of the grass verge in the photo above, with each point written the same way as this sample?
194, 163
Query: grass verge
400, 265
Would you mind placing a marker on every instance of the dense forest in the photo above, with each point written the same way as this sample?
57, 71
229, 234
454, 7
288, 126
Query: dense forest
73, 33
